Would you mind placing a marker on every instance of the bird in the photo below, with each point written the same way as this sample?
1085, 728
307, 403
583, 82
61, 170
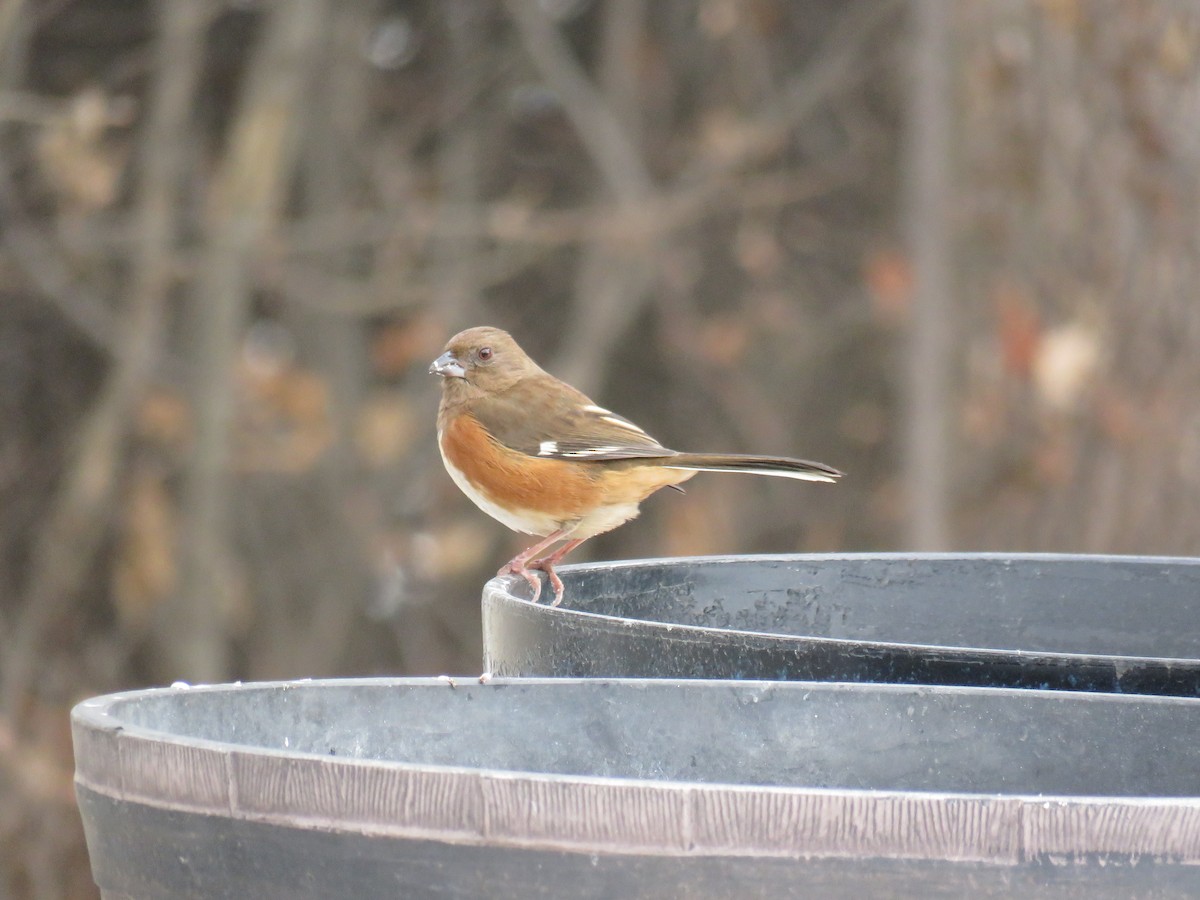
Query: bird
543, 459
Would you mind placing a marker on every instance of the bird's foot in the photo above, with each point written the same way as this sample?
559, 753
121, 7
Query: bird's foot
546, 564
520, 567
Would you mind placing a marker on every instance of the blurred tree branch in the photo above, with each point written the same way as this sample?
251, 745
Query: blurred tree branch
456, 252
65, 551
245, 201
38, 256
599, 127
927, 457
327, 543
612, 282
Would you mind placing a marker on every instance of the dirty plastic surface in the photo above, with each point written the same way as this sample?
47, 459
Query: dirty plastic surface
1088, 623
637, 788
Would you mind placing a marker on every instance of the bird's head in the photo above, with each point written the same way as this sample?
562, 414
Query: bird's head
481, 360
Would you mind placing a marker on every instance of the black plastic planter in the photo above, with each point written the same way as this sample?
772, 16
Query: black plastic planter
627, 789
1088, 623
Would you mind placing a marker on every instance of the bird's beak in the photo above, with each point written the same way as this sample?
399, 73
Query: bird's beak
447, 366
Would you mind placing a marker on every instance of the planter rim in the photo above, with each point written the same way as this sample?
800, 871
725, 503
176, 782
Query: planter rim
135, 764
501, 590
1014, 556
100, 712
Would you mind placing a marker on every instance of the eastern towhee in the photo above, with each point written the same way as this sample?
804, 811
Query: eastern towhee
539, 456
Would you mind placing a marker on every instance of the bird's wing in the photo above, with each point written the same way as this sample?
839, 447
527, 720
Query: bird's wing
547, 418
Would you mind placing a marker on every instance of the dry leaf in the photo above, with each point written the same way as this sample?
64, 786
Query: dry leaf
1019, 328
703, 522
1064, 13
460, 547
864, 422
725, 340
284, 423
724, 136
889, 277
385, 428
1055, 458
75, 157
889, 502
757, 250
144, 571
164, 418
396, 346
510, 218
1177, 49
1066, 363
827, 535
718, 18
302, 398
984, 420
1117, 415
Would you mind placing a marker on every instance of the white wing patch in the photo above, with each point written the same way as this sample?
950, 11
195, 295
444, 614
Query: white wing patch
590, 451
622, 423
607, 415
778, 473
628, 442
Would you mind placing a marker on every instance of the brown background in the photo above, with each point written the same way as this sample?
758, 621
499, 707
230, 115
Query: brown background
950, 248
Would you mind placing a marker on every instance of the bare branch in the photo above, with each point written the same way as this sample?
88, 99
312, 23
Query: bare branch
603, 135
245, 201
66, 548
456, 260
838, 66
37, 255
614, 276
927, 456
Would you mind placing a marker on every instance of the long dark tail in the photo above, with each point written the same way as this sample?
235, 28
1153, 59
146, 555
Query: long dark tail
782, 466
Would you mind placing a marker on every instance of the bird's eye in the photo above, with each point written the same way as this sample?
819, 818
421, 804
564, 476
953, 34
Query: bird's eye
485, 353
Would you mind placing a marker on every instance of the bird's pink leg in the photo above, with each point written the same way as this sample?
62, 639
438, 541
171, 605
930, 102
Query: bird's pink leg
547, 564
519, 564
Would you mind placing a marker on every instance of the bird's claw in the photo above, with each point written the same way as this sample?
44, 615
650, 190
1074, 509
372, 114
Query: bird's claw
547, 565
535, 583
